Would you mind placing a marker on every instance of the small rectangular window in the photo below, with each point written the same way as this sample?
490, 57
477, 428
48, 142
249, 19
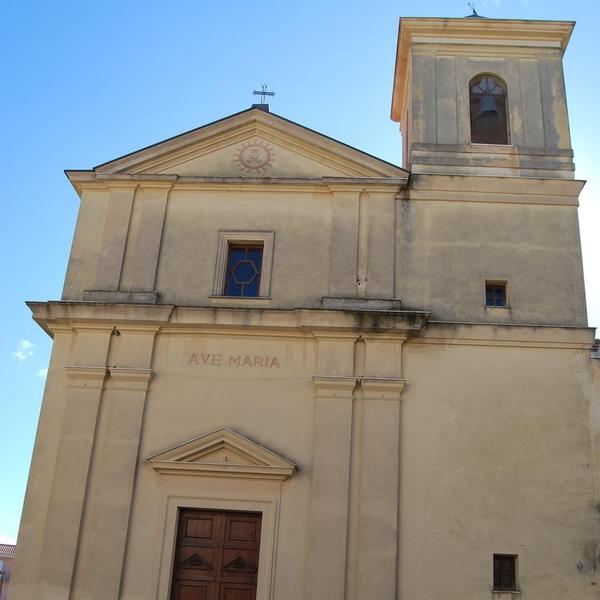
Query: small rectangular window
244, 268
244, 263
495, 294
505, 572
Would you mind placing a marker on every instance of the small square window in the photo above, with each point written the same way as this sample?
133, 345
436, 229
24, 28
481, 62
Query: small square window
244, 267
505, 572
495, 293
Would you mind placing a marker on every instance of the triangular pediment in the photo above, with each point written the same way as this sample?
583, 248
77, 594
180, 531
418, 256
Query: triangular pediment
253, 143
222, 453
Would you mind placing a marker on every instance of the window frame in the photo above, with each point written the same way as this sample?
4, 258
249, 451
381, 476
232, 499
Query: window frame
495, 283
251, 238
515, 572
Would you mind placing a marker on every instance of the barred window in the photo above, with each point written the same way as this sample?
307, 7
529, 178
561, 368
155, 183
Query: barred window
495, 294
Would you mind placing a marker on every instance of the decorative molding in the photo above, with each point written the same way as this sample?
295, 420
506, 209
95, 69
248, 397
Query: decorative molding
334, 387
112, 296
128, 378
303, 323
238, 128
361, 304
267, 238
86, 377
267, 504
382, 388
222, 453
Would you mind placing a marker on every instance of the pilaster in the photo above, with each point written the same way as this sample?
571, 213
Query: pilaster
377, 530
65, 508
144, 239
326, 563
114, 238
111, 482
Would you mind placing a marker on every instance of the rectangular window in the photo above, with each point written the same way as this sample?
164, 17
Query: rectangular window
505, 572
244, 268
495, 294
244, 263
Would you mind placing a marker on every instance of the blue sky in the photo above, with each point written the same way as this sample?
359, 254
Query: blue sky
85, 82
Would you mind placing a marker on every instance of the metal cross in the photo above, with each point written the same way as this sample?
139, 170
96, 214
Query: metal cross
263, 92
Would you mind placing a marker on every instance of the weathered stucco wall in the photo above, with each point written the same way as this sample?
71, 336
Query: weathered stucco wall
489, 446
433, 246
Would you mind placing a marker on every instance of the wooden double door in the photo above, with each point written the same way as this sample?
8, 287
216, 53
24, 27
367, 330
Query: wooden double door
216, 557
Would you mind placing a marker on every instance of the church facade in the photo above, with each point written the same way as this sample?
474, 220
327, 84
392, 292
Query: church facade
284, 369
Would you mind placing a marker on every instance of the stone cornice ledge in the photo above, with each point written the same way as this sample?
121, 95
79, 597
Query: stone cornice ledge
87, 377
219, 470
334, 386
50, 315
374, 388
130, 378
382, 388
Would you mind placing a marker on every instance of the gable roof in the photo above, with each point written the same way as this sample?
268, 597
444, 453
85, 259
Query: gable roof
174, 155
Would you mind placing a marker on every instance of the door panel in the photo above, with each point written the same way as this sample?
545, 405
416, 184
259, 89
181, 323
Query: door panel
216, 557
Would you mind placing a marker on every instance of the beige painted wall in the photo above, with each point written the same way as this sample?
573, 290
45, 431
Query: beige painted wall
495, 455
434, 246
424, 440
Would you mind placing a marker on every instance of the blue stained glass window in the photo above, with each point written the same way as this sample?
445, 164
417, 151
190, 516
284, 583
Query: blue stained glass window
244, 266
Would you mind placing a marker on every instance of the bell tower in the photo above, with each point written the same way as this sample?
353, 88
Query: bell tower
478, 96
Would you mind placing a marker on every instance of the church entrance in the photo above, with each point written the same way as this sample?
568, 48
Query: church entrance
216, 557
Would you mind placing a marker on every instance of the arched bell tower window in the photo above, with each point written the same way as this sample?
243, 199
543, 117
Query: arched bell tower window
489, 122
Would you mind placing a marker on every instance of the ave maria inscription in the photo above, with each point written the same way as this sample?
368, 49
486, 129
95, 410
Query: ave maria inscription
250, 361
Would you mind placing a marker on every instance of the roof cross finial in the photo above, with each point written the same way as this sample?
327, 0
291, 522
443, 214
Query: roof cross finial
472, 5
263, 92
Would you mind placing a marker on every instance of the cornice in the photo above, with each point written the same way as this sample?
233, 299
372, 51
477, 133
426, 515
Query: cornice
414, 326
90, 180
86, 377
334, 387
531, 34
130, 378
172, 318
382, 388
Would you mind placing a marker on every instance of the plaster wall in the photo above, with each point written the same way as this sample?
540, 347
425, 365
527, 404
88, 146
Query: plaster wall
433, 245
505, 465
490, 450
449, 244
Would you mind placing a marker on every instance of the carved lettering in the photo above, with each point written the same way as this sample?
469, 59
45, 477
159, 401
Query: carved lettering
254, 361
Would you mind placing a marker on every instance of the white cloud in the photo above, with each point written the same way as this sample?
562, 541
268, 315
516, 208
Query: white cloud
42, 373
7, 539
24, 350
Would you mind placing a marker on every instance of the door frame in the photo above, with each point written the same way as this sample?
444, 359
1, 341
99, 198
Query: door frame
268, 506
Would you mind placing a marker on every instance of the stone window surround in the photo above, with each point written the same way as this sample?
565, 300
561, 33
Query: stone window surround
267, 505
267, 238
497, 281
